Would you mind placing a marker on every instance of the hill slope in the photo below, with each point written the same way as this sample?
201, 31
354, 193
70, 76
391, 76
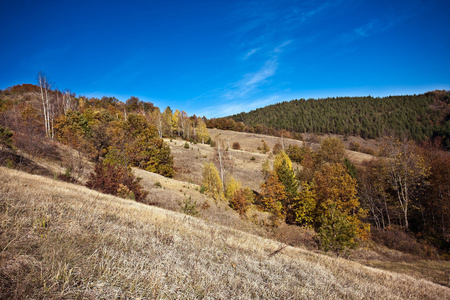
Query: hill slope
60, 240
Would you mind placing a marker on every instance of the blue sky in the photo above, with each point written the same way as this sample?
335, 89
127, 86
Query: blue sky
217, 58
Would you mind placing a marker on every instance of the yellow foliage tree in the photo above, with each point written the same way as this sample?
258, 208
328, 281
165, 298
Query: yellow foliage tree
175, 120
232, 186
282, 160
211, 181
202, 131
305, 204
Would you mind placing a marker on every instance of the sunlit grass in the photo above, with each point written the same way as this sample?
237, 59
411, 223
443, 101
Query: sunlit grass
59, 240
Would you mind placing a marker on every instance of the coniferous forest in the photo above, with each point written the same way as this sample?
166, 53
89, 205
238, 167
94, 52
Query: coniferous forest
417, 117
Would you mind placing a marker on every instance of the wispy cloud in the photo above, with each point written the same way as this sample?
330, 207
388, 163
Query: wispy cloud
266, 30
250, 53
373, 27
262, 74
235, 107
252, 80
279, 48
297, 16
363, 31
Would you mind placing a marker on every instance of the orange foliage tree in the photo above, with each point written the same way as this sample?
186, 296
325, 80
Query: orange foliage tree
273, 196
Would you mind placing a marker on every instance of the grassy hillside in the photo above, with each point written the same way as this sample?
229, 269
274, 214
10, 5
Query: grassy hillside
189, 162
60, 240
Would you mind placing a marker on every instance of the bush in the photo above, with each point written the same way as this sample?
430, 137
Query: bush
368, 150
297, 153
5, 137
277, 148
399, 240
241, 200
265, 148
354, 146
236, 146
189, 207
116, 180
186, 145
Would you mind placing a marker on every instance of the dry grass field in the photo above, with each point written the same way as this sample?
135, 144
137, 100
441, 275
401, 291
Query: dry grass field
63, 241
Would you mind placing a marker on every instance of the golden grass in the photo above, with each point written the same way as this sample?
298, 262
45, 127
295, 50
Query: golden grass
59, 240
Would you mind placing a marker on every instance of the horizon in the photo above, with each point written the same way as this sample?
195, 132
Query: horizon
220, 59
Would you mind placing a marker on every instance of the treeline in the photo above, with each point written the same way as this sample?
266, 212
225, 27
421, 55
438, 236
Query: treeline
417, 117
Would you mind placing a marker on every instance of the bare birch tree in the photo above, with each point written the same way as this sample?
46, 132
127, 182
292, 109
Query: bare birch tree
45, 86
225, 164
158, 120
405, 170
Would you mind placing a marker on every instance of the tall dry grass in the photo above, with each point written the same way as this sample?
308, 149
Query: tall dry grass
59, 240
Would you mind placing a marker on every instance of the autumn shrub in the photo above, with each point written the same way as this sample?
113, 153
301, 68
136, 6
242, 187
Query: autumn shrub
338, 213
368, 150
264, 148
67, 176
355, 146
116, 180
236, 146
241, 200
211, 142
277, 148
397, 239
296, 236
295, 153
124, 192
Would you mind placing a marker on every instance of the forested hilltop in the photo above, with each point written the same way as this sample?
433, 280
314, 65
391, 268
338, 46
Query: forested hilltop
418, 117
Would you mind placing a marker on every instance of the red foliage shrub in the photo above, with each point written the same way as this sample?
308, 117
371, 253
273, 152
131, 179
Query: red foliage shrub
241, 201
111, 179
236, 146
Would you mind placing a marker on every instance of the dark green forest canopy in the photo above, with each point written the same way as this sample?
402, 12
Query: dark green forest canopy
418, 117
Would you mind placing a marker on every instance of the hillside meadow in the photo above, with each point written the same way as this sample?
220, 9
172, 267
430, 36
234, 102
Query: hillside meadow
247, 162
64, 241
